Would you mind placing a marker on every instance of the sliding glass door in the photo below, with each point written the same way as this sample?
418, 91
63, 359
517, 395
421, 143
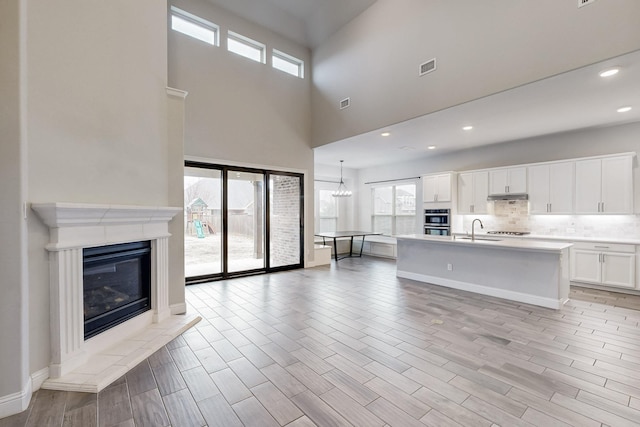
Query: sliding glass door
241, 221
246, 221
285, 220
203, 222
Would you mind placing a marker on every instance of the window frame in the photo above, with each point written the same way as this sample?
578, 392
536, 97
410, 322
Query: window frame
197, 21
246, 41
394, 215
299, 63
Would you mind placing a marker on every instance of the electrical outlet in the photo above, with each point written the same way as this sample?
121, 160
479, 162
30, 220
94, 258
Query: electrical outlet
450, 267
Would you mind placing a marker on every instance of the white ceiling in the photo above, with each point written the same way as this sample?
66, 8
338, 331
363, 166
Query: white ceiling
574, 100
308, 22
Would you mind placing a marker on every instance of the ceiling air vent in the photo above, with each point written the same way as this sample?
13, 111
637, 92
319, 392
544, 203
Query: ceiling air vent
427, 67
585, 2
345, 103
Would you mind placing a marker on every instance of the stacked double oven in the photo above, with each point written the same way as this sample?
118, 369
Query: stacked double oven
437, 222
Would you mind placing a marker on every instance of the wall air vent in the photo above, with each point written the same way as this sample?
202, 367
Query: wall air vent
585, 2
345, 103
427, 67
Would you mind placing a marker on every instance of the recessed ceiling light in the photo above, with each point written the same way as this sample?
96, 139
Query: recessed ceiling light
385, 134
609, 72
467, 128
431, 147
624, 109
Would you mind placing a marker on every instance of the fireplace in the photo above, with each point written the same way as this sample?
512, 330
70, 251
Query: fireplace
87, 234
116, 284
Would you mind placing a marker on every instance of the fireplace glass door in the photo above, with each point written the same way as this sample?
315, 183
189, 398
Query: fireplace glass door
116, 284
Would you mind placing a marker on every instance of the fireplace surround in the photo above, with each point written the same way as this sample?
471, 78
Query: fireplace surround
90, 365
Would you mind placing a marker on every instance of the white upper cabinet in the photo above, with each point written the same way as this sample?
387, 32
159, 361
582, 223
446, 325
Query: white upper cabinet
604, 185
551, 188
508, 180
436, 188
473, 189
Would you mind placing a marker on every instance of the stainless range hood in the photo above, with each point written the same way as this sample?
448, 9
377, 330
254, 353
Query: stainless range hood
508, 196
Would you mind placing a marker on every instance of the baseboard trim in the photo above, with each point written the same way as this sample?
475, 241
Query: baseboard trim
38, 377
180, 308
15, 403
484, 290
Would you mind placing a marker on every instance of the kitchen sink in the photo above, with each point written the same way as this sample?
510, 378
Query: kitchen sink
479, 238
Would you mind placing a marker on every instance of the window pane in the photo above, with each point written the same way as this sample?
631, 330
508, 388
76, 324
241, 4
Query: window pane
203, 221
192, 29
284, 226
286, 66
405, 224
327, 204
287, 63
382, 224
382, 201
243, 46
406, 199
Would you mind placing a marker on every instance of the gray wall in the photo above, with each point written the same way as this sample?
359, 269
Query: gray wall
241, 112
96, 124
482, 47
14, 345
583, 143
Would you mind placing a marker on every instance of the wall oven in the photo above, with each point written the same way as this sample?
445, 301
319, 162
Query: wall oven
436, 222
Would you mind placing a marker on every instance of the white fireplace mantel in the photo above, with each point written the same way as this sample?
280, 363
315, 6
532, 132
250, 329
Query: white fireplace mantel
73, 227
80, 225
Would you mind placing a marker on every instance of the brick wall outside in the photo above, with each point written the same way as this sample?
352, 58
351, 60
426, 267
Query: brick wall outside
285, 220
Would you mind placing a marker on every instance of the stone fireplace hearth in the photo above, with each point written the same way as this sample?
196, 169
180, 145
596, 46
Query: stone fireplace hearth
90, 365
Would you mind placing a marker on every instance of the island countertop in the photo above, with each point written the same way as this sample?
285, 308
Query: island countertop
493, 242
528, 271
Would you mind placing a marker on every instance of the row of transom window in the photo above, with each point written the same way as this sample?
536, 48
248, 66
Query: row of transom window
208, 32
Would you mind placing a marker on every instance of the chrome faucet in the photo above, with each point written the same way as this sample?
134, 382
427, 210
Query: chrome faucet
473, 232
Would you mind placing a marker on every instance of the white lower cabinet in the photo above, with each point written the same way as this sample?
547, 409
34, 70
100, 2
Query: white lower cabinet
604, 264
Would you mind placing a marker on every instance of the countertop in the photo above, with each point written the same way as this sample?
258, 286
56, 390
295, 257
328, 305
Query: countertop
508, 243
568, 238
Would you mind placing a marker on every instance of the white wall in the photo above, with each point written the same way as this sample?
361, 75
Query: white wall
241, 112
96, 123
14, 308
482, 47
583, 143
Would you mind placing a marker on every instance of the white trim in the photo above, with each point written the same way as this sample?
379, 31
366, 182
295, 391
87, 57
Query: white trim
176, 92
15, 403
484, 290
180, 308
39, 377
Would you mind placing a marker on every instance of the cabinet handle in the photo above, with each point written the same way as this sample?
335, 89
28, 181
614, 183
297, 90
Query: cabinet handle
603, 258
471, 208
602, 206
601, 247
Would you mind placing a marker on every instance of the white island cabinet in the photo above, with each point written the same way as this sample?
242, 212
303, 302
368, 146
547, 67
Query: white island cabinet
531, 272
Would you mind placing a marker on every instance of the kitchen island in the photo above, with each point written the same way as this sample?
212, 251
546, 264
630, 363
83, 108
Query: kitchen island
531, 272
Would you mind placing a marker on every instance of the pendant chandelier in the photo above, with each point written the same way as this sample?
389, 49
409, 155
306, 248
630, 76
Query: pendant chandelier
341, 191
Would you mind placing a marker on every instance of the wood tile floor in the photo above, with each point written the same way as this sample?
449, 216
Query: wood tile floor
351, 344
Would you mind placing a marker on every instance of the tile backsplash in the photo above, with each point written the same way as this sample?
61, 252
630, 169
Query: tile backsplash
513, 215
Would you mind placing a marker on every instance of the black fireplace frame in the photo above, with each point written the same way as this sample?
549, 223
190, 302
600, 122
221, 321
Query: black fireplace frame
104, 255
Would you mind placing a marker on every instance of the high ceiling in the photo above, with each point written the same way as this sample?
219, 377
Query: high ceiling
308, 22
573, 100
570, 101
